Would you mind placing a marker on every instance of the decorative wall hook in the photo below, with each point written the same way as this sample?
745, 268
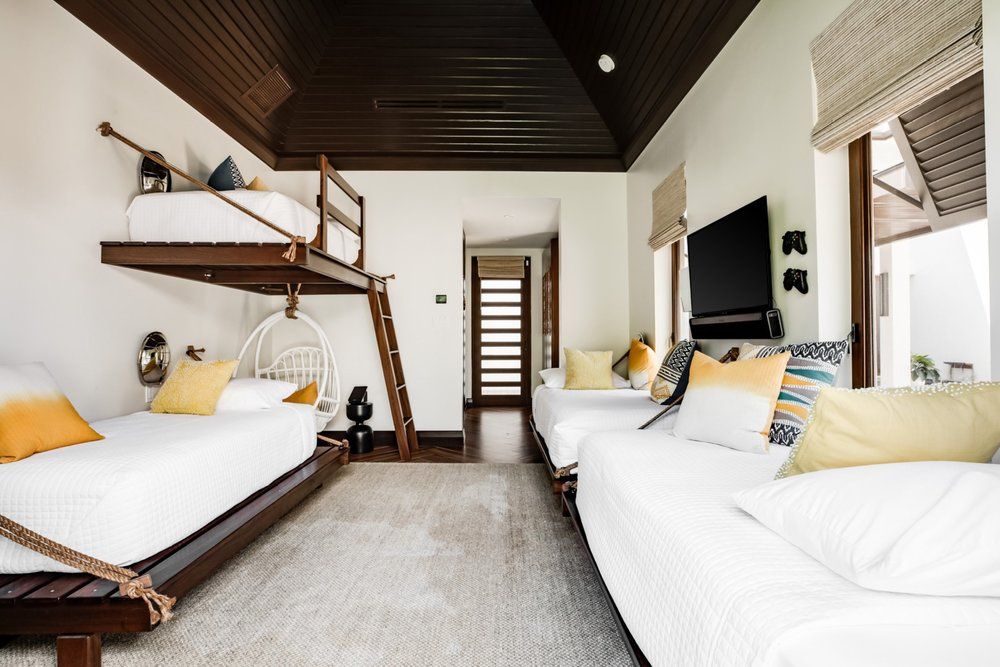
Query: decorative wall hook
794, 240
796, 278
193, 353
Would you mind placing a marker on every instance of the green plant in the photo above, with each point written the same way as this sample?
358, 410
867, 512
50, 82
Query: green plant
923, 369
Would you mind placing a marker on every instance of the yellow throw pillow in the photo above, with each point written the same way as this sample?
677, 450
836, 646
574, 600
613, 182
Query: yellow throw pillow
944, 422
35, 416
731, 404
641, 364
259, 185
588, 370
194, 387
307, 395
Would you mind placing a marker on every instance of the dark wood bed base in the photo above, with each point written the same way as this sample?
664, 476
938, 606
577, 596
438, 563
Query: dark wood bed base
569, 505
79, 608
557, 483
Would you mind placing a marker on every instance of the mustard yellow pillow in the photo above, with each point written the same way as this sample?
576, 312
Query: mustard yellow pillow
641, 364
259, 185
944, 422
35, 416
194, 387
588, 370
307, 395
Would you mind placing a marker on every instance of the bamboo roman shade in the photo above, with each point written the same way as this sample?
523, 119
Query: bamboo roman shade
669, 208
504, 268
881, 58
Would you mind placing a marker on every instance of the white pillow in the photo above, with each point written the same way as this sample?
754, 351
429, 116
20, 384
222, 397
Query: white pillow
243, 394
556, 378
928, 527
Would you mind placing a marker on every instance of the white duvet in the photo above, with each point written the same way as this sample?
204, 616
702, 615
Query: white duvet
564, 416
152, 481
700, 582
196, 216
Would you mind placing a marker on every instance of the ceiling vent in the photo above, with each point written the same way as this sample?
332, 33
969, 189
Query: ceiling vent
270, 91
426, 104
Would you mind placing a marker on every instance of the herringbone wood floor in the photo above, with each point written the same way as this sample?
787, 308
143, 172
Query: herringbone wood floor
492, 435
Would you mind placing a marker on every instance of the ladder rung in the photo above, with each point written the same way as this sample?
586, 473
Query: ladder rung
397, 352
387, 317
408, 422
400, 386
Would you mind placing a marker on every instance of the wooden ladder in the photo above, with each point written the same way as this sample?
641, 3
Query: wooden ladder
392, 370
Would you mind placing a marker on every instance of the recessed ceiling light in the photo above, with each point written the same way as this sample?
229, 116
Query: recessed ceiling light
606, 63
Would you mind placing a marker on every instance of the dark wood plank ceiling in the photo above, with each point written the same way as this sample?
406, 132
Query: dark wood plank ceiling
660, 49
436, 84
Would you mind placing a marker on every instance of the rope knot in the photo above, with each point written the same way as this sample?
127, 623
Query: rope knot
293, 302
293, 247
142, 587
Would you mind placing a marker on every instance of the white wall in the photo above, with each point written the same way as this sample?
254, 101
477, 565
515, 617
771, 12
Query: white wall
65, 189
991, 83
538, 268
743, 131
415, 231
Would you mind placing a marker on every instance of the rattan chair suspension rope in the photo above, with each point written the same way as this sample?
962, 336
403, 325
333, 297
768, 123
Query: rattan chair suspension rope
130, 583
107, 131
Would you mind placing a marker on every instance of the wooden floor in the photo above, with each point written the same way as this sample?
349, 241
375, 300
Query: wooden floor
492, 435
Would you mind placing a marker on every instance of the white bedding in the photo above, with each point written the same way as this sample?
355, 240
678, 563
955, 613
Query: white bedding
152, 481
196, 216
699, 582
564, 416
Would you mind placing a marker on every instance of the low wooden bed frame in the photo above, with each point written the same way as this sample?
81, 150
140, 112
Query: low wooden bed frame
557, 482
635, 653
79, 608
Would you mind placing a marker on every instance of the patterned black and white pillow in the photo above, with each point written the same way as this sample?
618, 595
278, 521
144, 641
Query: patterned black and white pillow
227, 176
671, 380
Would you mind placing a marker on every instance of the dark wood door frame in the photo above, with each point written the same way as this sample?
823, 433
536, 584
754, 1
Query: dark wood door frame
862, 262
523, 398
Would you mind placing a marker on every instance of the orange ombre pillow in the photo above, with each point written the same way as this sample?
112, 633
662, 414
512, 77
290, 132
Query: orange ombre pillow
35, 416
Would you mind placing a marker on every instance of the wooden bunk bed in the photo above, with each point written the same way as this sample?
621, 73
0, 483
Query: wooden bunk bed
79, 608
267, 268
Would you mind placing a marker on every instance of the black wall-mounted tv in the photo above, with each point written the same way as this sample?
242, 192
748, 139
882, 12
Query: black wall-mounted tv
729, 263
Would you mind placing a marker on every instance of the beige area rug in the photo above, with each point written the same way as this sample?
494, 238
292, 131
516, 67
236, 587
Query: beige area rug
393, 564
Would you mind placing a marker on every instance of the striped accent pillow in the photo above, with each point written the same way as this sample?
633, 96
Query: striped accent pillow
812, 367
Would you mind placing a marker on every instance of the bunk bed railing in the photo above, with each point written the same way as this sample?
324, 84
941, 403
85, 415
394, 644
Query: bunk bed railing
328, 210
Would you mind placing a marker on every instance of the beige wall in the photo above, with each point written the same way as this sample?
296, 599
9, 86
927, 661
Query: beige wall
743, 131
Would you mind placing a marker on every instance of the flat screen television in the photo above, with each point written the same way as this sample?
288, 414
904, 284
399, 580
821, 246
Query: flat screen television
729, 263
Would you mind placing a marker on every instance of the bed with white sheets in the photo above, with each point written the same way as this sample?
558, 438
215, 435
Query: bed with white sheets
153, 480
699, 582
563, 416
197, 216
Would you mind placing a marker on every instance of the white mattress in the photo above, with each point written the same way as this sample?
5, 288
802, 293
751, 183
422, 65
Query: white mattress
699, 582
152, 481
197, 216
564, 416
